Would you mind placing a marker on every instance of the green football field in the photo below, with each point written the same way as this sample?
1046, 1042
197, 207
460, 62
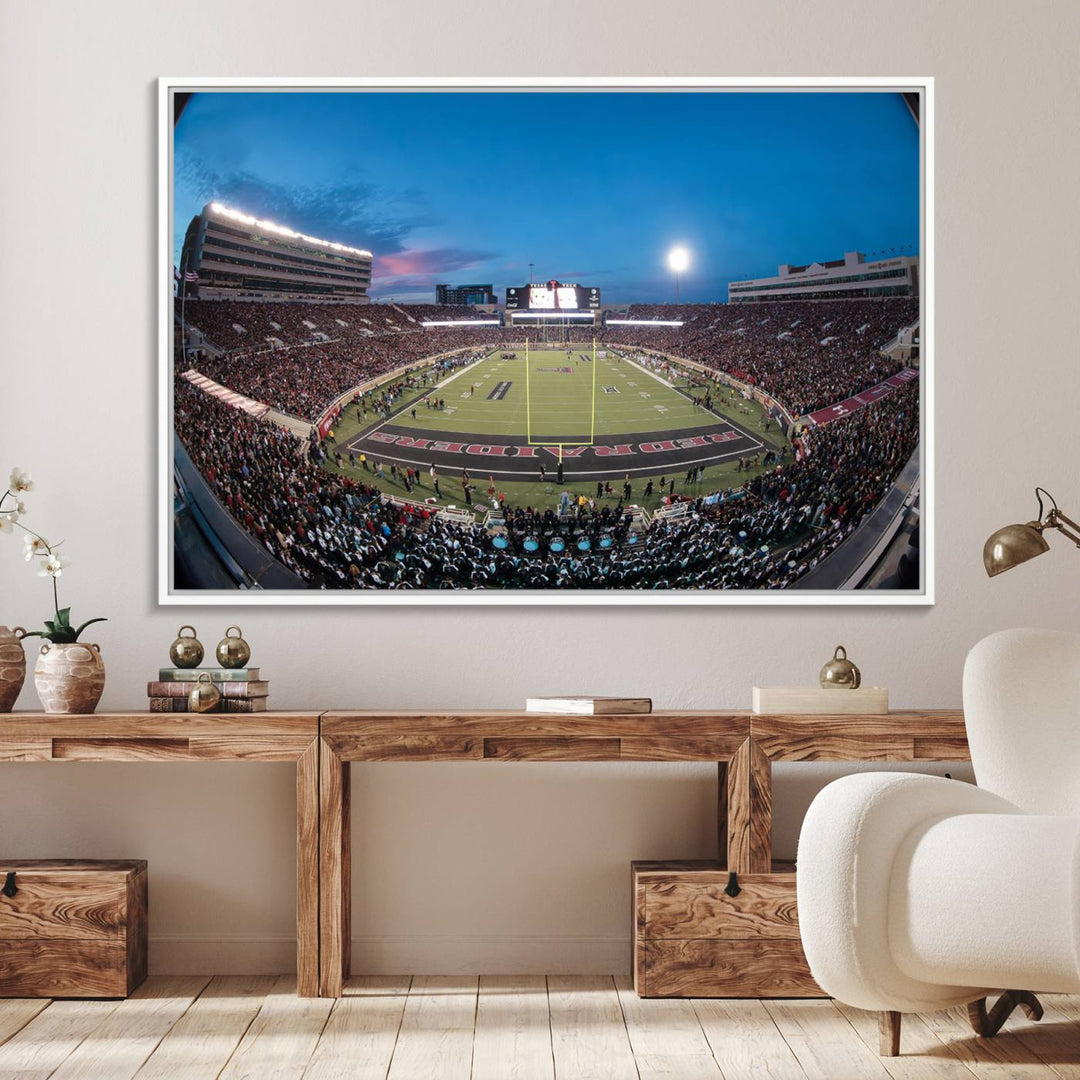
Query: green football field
554, 399
547, 406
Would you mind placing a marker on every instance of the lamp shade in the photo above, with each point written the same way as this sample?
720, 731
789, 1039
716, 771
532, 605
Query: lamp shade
1012, 545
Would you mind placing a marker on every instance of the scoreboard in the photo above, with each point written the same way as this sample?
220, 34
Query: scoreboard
552, 296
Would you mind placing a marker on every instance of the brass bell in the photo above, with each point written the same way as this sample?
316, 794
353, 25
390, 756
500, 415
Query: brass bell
233, 652
186, 652
204, 695
840, 673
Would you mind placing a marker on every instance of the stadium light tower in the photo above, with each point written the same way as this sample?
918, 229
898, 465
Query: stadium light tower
678, 261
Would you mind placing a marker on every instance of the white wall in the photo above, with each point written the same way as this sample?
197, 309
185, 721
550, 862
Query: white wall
499, 867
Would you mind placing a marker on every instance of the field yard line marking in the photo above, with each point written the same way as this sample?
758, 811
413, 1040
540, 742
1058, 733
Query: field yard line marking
410, 404
652, 375
713, 412
467, 367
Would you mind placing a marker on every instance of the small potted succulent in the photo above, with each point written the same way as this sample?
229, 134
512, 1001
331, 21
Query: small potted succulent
69, 674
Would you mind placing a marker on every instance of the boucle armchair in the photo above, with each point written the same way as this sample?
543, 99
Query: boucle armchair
919, 893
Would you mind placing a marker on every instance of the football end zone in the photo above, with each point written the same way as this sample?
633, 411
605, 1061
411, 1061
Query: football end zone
514, 457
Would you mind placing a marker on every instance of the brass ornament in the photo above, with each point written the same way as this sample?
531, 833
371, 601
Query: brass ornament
204, 695
233, 652
840, 673
186, 652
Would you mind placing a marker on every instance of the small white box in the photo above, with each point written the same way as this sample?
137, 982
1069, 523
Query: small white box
816, 700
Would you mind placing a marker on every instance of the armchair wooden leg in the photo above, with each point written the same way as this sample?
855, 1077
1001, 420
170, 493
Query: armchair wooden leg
988, 1024
889, 1033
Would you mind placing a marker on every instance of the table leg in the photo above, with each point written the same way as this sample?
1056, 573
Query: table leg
722, 813
749, 810
307, 871
334, 872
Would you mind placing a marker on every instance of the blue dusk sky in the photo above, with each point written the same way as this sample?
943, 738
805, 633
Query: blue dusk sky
592, 188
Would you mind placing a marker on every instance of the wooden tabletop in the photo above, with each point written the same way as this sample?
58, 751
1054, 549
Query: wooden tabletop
684, 735
510, 735
151, 736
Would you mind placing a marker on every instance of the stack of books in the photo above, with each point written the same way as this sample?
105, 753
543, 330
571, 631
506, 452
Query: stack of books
241, 689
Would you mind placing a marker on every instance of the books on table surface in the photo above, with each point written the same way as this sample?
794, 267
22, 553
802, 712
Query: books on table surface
241, 689
166, 688
217, 674
228, 705
580, 705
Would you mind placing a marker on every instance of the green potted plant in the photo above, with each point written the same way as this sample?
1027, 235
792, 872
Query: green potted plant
69, 674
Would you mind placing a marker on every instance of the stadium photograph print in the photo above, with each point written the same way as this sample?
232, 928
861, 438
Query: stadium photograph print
546, 341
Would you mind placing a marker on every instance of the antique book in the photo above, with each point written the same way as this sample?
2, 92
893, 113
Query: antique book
238, 705
168, 704
226, 689
218, 674
588, 706
229, 705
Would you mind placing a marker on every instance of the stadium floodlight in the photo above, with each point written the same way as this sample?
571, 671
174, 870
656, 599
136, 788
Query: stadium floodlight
678, 261
644, 322
282, 230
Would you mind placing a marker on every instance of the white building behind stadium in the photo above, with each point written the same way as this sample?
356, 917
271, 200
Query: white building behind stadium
239, 257
849, 278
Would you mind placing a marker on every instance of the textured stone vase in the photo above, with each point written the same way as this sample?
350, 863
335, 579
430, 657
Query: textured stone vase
12, 666
69, 678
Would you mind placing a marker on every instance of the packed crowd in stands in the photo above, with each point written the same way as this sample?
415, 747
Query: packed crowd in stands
807, 355
299, 357
335, 532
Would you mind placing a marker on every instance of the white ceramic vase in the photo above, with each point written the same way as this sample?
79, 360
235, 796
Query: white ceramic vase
69, 678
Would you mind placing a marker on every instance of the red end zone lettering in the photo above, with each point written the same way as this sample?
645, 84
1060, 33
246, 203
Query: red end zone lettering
524, 451
723, 436
692, 441
383, 437
416, 444
614, 451
656, 447
448, 447
566, 452
486, 450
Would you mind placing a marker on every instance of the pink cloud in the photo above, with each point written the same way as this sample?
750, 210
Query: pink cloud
436, 261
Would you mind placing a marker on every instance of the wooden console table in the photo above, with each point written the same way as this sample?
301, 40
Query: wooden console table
322, 745
136, 736
742, 744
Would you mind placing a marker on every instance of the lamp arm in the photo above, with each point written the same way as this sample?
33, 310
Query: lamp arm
1057, 520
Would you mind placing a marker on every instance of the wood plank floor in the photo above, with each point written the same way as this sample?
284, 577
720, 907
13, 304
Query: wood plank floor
525, 1027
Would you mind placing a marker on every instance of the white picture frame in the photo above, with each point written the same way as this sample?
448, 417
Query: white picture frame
168, 594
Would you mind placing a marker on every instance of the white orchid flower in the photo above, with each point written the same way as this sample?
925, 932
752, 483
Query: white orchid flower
20, 481
7, 520
34, 545
53, 566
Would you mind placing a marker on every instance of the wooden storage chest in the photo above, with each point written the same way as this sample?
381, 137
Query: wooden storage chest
71, 928
693, 939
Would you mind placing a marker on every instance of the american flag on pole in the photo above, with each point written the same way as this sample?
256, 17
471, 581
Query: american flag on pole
191, 275
176, 273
